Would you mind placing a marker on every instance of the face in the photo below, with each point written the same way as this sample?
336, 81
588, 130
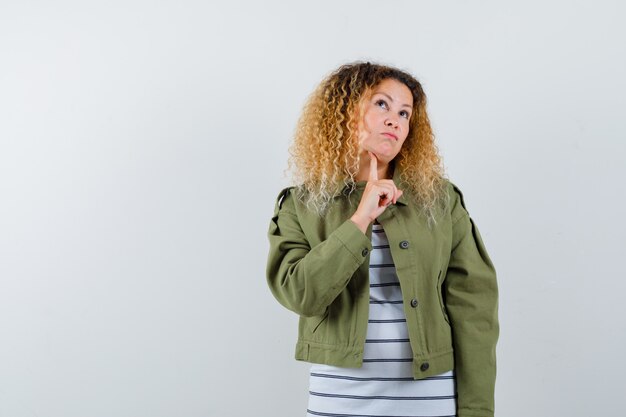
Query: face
385, 123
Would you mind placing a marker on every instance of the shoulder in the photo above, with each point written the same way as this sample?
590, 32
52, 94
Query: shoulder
455, 192
285, 200
281, 196
457, 201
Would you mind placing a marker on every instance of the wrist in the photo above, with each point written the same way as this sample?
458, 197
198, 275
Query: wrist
361, 222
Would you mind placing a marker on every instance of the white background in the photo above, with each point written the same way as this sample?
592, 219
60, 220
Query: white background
142, 145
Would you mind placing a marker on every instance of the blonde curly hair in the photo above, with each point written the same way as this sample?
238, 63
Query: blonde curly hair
324, 156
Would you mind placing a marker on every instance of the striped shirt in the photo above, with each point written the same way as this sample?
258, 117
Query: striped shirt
384, 385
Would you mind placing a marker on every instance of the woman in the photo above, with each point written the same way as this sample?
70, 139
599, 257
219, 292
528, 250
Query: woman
375, 251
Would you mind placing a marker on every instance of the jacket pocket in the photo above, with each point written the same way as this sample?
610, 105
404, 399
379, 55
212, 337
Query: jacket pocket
440, 295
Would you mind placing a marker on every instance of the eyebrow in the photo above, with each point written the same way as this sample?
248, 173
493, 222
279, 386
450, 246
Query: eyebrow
390, 99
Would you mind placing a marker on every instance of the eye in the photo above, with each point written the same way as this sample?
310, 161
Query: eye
405, 113
383, 102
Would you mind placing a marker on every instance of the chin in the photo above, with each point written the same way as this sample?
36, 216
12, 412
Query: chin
386, 157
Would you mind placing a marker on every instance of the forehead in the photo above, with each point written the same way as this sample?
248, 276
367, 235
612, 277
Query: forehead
394, 89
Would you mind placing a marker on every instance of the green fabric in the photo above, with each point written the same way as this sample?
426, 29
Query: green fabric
318, 267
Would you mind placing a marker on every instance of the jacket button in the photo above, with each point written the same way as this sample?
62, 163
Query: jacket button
424, 367
414, 303
364, 252
404, 244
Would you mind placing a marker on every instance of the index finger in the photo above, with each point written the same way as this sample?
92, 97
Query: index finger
373, 167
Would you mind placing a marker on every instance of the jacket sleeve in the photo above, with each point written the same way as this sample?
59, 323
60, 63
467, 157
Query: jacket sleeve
307, 279
471, 298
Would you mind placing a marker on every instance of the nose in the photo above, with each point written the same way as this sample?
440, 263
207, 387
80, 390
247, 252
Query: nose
391, 121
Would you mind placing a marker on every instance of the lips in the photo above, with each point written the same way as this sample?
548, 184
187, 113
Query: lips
390, 135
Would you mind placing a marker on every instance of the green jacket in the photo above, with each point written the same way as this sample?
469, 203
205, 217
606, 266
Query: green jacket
318, 267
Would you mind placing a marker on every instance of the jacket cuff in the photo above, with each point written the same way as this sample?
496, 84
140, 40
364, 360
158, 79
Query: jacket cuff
354, 240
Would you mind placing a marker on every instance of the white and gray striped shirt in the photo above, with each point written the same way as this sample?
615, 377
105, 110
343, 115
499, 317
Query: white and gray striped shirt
384, 385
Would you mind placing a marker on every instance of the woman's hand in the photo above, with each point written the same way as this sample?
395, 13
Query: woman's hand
378, 195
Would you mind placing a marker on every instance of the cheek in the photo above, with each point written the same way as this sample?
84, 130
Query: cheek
406, 127
374, 116
366, 123
405, 133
